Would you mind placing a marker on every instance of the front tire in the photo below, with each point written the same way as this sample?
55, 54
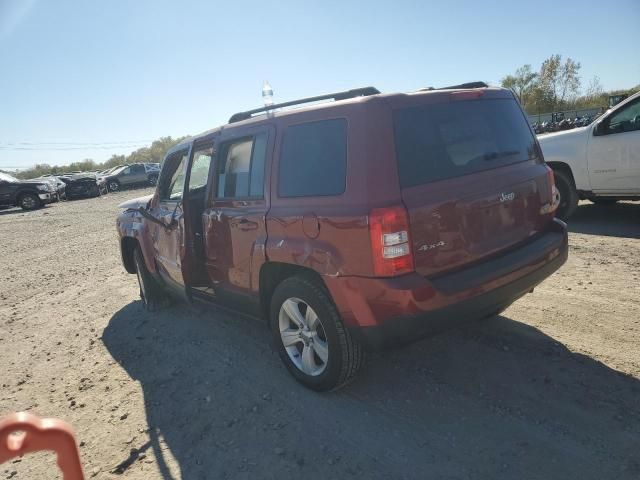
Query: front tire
153, 180
568, 195
310, 337
150, 290
114, 185
29, 201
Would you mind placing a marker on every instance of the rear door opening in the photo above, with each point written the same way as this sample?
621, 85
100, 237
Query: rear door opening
471, 177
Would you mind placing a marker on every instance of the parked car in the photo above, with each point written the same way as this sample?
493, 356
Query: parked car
58, 184
106, 172
83, 185
131, 175
27, 194
599, 162
356, 224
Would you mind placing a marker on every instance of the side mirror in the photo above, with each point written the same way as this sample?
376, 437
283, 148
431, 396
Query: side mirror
599, 128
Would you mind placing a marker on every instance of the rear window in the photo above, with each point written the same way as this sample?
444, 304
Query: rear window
314, 159
448, 140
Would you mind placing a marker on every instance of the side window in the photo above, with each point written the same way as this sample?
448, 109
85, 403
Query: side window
171, 181
314, 159
137, 169
200, 168
626, 119
241, 168
126, 171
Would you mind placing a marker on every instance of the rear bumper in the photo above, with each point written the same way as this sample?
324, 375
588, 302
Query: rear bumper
386, 312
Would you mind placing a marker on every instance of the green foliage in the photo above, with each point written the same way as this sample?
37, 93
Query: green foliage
152, 154
556, 86
522, 83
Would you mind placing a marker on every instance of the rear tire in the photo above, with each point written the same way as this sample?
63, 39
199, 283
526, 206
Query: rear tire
151, 292
153, 180
29, 201
568, 195
321, 353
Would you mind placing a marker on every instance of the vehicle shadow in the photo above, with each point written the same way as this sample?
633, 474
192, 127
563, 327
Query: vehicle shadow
14, 210
496, 399
619, 220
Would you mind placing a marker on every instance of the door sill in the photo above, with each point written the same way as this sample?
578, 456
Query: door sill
206, 293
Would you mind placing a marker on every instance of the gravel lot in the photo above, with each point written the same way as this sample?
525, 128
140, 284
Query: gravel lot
550, 389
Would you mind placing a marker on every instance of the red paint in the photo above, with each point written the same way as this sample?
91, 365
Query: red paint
452, 224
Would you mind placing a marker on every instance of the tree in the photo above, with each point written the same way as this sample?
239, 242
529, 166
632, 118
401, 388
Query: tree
558, 81
521, 83
154, 153
594, 90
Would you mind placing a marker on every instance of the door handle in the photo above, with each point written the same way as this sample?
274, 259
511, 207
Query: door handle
246, 224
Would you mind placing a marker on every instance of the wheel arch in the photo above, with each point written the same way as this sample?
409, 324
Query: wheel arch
23, 192
127, 247
273, 274
564, 168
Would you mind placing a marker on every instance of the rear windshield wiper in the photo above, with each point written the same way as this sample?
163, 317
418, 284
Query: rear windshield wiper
495, 155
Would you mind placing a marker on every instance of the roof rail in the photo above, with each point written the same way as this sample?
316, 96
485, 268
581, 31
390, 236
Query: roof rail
462, 86
465, 86
356, 92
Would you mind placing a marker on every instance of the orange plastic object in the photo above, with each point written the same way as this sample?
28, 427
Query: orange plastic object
40, 434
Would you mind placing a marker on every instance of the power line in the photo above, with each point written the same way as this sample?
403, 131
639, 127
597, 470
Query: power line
92, 147
76, 143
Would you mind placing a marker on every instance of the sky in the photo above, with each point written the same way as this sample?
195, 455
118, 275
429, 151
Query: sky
89, 79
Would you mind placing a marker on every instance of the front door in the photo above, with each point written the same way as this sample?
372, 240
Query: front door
195, 201
234, 222
613, 155
138, 174
168, 227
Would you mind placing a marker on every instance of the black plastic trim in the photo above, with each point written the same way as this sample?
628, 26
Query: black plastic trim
356, 92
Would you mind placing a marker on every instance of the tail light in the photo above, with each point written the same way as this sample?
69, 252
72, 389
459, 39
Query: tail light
390, 245
466, 95
554, 195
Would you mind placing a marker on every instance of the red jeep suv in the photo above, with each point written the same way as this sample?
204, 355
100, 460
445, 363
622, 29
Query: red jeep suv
351, 221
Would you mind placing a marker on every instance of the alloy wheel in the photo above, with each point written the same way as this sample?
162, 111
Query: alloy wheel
303, 336
28, 202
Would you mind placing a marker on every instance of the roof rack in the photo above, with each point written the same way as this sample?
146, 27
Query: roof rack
356, 92
465, 86
462, 86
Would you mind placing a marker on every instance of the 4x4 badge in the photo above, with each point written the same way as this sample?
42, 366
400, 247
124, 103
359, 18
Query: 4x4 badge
426, 247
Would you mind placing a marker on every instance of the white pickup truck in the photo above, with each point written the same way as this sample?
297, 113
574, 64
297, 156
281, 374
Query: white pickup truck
599, 162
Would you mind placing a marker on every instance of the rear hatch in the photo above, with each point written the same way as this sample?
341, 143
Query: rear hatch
472, 178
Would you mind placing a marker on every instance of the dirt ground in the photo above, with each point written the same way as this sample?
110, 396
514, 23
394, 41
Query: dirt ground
550, 389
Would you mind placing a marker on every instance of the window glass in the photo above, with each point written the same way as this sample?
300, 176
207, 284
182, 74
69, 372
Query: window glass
137, 169
200, 168
233, 169
241, 167
126, 171
314, 159
256, 187
172, 177
625, 120
451, 139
